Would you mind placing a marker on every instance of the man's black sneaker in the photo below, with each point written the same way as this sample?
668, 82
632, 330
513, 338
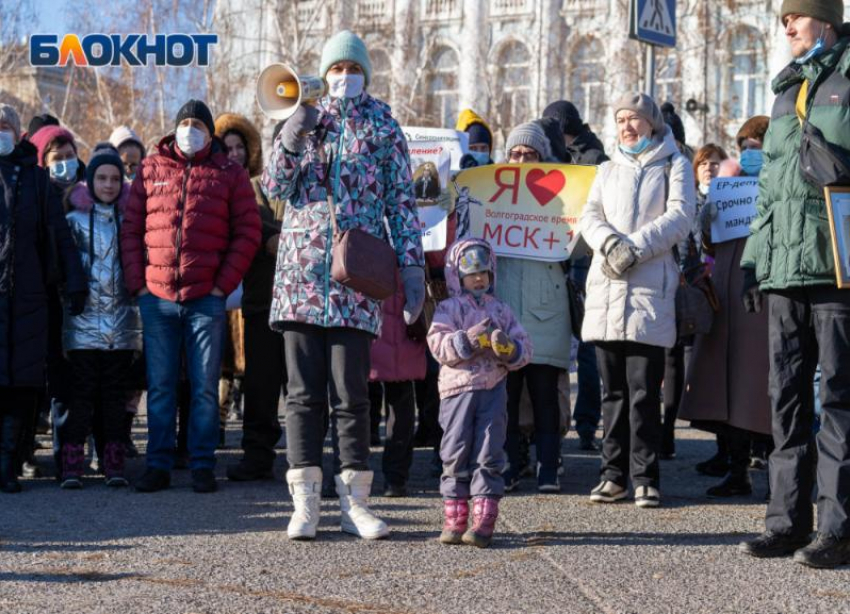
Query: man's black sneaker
203, 480
395, 490
771, 545
153, 480
825, 552
245, 471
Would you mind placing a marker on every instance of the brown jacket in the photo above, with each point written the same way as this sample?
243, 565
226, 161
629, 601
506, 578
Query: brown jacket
727, 378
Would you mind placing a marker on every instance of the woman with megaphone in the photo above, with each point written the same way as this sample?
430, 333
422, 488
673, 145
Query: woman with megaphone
343, 165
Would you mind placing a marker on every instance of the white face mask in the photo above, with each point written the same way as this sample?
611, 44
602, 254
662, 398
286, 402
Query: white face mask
190, 140
345, 86
7, 142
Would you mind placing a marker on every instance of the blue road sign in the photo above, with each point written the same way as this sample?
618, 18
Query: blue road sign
653, 21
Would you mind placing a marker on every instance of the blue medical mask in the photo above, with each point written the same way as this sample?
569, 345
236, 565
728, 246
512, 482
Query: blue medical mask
131, 177
479, 293
703, 189
752, 161
482, 158
639, 147
65, 171
816, 50
7, 142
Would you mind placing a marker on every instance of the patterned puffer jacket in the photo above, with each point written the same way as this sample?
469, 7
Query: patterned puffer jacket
367, 167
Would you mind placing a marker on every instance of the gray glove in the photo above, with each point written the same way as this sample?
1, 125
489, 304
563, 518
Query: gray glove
297, 127
413, 278
621, 256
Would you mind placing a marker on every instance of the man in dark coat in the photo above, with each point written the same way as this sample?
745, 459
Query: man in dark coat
34, 237
582, 147
789, 256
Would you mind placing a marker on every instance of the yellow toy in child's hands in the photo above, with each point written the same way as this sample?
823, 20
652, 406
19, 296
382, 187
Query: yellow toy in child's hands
479, 334
502, 346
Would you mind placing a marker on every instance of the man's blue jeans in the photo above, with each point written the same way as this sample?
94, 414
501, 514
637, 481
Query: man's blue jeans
197, 327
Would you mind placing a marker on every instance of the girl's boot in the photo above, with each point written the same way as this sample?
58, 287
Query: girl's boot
456, 513
114, 454
485, 511
73, 465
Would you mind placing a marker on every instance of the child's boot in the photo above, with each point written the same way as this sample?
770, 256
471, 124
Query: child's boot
114, 454
73, 465
456, 512
485, 511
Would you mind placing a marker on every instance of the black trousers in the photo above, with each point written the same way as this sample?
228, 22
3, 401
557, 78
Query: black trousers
542, 382
676, 360
265, 379
401, 422
100, 380
17, 407
428, 404
327, 366
631, 385
807, 326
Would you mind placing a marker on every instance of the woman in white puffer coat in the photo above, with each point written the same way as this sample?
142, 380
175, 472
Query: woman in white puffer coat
641, 204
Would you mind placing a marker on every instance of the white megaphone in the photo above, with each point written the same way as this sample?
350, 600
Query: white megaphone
280, 91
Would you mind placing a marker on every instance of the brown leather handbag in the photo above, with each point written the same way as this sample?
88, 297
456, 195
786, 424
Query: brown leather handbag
362, 261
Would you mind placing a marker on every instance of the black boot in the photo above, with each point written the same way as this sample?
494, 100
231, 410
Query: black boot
10, 427
718, 465
735, 485
738, 482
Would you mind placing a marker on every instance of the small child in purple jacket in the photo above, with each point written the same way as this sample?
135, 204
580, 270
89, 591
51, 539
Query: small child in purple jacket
477, 340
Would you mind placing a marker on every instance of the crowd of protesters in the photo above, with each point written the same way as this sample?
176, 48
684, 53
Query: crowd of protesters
115, 276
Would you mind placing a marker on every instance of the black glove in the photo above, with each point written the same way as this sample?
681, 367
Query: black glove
302, 123
77, 302
751, 296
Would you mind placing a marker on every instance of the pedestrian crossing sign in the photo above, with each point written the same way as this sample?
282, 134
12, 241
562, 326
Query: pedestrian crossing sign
653, 21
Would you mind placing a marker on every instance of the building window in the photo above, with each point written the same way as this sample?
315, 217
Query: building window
379, 84
744, 77
507, 8
312, 14
442, 90
586, 81
435, 10
668, 81
513, 79
374, 11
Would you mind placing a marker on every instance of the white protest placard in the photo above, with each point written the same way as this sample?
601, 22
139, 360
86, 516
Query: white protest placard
735, 199
431, 142
434, 223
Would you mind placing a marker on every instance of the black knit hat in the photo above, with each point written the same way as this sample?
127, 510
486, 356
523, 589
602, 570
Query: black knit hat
104, 155
668, 111
479, 134
196, 109
567, 115
40, 121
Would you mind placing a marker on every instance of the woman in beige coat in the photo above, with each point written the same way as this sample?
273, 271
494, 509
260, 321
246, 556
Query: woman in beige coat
641, 204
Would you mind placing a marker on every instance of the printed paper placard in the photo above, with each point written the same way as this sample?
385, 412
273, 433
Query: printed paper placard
528, 210
428, 143
735, 199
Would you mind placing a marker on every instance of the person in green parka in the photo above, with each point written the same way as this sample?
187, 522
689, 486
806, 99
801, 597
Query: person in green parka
788, 257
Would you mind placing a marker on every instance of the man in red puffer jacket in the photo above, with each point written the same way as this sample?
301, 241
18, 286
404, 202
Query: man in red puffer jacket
190, 233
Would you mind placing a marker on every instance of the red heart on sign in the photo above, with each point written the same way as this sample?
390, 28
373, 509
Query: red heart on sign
544, 186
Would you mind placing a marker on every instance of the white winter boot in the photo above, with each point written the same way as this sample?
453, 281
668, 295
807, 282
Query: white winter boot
305, 486
353, 488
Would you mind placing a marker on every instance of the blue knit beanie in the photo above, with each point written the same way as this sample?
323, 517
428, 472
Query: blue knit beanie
346, 46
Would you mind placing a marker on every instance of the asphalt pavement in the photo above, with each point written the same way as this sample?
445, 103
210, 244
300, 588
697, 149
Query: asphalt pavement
176, 552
